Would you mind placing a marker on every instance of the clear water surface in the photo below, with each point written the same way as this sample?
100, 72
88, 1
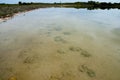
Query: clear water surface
61, 44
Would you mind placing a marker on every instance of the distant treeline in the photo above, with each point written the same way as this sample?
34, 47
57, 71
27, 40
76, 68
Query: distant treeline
88, 5
30, 3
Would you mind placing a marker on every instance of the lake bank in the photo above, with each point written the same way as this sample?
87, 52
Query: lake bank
8, 10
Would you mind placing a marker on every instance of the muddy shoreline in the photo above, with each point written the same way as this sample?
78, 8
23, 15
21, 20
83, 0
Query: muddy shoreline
4, 19
9, 10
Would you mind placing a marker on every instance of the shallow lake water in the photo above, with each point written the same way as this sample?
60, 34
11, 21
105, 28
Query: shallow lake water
61, 44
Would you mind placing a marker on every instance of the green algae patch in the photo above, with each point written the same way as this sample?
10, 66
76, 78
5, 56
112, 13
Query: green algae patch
28, 60
88, 71
59, 39
85, 53
66, 33
58, 29
77, 49
60, 51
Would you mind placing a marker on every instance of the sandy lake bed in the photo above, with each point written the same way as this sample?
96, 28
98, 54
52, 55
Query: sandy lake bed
61, 44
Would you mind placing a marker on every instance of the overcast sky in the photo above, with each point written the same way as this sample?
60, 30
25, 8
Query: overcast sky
16, 1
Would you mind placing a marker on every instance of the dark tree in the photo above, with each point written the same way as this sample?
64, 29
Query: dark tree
19, 2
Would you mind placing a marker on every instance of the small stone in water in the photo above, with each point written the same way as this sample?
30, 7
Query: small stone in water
12, 78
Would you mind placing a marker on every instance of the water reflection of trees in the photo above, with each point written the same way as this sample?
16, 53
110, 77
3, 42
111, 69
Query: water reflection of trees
90, 5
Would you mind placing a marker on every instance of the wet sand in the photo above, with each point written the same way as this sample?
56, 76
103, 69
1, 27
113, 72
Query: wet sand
49, 48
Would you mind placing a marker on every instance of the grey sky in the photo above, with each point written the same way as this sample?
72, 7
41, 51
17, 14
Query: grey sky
16, 1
